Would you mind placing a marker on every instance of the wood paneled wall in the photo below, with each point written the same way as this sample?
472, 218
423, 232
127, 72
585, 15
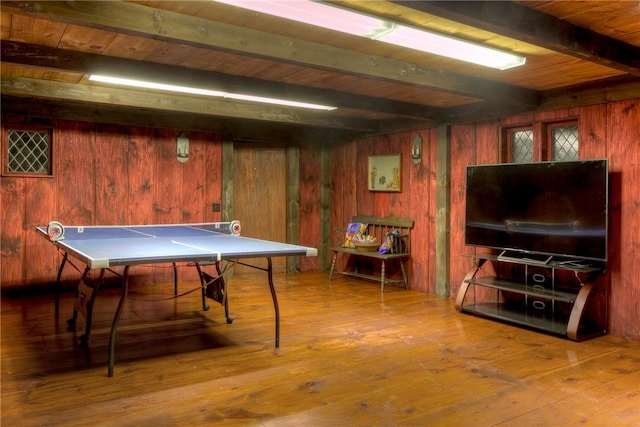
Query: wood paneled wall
106, 175
621, 132
112, 175
350, 194
310, 203
606, 131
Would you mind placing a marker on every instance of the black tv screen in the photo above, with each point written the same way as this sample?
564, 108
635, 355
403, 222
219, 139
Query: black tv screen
548, 208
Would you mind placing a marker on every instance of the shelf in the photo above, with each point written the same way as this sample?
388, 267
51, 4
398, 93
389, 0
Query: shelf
535, 294
520, 288
499, 311
559, 264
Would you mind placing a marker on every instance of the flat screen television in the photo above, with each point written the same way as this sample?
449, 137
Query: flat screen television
550, 209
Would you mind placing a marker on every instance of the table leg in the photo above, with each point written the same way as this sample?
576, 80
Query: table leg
58, 277
79, 301
116, 319
272, 288
88, 308
333, 265
175, 279
275, 300
404, 274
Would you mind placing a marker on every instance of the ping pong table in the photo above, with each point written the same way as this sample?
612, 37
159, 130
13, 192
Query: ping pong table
107, 247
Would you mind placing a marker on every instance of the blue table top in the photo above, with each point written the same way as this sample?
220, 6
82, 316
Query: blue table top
106, 246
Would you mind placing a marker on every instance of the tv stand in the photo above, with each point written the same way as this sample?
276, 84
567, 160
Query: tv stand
565, 298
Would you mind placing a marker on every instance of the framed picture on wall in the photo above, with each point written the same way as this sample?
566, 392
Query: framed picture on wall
385, 173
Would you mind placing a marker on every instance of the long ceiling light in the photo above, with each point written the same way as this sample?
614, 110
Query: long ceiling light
143, 84
347, 21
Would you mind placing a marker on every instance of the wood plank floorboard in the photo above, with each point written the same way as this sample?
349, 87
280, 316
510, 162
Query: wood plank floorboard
349, 356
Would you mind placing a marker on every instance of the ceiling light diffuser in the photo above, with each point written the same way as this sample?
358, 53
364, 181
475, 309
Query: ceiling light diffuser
143, 84
336, 18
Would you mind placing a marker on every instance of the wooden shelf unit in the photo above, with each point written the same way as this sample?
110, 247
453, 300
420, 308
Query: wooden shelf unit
561, 298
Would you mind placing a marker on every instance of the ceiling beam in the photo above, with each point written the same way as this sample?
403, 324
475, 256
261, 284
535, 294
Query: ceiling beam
596, 92
531, 26
89, 63
230, 129
139, 20
22, 86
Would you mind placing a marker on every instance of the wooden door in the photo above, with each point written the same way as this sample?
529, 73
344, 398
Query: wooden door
260, 196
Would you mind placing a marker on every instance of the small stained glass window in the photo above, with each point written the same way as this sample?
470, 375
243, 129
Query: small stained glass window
522, 146
28, 152
564, 142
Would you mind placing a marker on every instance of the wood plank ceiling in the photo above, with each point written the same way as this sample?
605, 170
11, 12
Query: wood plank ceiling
577, 53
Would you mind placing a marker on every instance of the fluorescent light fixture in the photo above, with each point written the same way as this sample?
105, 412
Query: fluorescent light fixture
452, 48
351, 22
318, 14
205, 92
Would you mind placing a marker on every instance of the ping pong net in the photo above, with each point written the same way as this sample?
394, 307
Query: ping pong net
56, 231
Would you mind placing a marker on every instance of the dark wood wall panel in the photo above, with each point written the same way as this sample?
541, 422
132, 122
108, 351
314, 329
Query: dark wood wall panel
350, 194
141, 149
13, 229
464, 151
106, 175
41, 193
111, 176
429, 255
169, 187
593, 131
74, 152
343, 200
421, 203
310, 205
75, 170
624, 166
606, 131
213, 174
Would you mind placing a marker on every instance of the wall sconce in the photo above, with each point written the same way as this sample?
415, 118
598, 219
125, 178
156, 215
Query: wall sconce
416, 149
182, 148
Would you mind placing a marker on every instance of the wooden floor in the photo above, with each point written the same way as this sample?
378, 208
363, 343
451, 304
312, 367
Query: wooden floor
348, 357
